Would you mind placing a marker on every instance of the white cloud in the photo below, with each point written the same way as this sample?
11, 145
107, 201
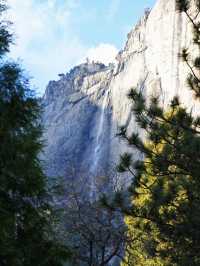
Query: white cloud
104, 53
45, 39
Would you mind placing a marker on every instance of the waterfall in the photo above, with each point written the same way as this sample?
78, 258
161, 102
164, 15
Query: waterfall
97, 145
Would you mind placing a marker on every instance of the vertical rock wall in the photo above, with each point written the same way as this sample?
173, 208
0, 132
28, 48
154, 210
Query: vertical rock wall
83, 109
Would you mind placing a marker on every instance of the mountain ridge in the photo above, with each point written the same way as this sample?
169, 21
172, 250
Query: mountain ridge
84, 108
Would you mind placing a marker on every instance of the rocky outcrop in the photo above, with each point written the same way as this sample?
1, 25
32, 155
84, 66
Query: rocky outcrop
78, 120
83, 109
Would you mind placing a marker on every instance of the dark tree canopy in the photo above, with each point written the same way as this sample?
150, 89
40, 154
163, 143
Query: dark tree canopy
26, 235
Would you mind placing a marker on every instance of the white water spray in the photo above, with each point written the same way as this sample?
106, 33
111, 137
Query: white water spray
97, 145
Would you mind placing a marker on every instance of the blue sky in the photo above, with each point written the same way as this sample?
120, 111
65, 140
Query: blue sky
54, 35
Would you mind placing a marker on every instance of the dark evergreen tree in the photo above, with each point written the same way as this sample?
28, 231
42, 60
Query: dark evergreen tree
26, 234
164, 217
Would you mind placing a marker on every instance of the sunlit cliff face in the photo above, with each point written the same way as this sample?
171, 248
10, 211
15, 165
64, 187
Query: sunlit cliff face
83, 110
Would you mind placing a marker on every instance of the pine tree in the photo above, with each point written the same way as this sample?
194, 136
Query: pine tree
26, 234
164, 216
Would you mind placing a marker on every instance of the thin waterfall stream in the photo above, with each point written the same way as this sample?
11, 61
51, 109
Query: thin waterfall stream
97, 145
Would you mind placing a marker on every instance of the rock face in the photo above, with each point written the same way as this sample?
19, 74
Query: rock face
83, 109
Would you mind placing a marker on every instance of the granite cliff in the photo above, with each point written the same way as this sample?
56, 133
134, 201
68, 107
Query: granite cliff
83, 109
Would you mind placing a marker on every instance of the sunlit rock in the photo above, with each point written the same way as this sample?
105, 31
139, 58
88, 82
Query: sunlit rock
85, 107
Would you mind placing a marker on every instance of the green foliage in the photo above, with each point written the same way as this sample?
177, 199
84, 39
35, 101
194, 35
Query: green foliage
182, 5
5, 35
165, 193
164, 216
26, 235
